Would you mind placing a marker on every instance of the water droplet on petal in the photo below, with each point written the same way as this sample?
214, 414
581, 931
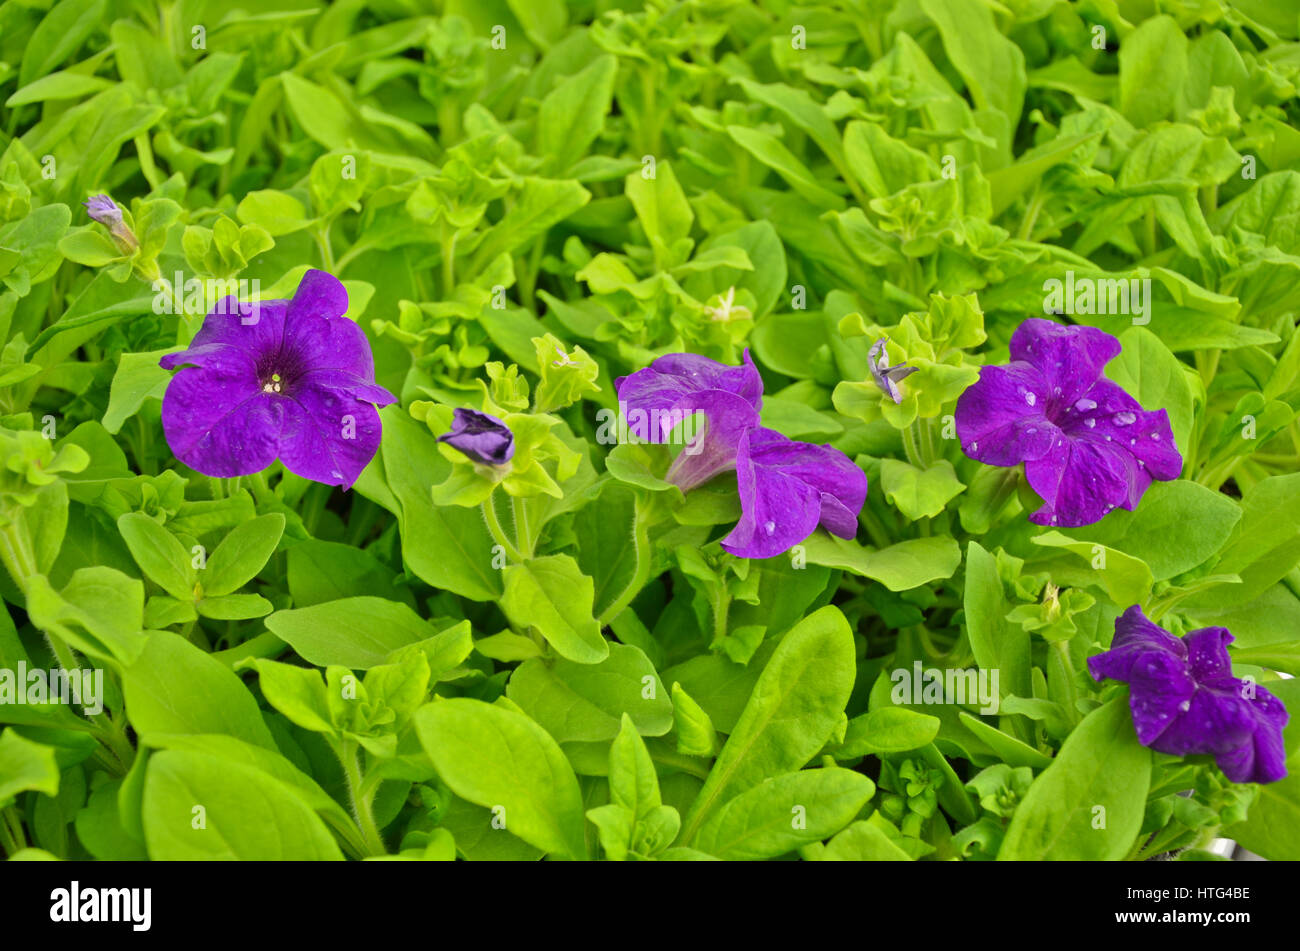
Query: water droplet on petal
1124, 418
1031, 399
770, 527
1155, 436
1185, 706
1084, 404
974, 446
1090, 423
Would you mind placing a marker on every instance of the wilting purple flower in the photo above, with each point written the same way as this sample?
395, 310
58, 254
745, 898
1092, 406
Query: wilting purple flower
292, 379
673, 389
103, 209
1185, 700
1086, 444
787, 489
481, 436
887, 377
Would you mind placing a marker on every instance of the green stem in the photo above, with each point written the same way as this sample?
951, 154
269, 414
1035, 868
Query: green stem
641, 571
12, 839
523, 532
498, 533
361, 802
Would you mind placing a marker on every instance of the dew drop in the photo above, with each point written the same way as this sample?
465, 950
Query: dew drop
1124, 418
770, 527
1155, 436
1090, 423
974, 446
1185, 706
1031, 399
1084, 404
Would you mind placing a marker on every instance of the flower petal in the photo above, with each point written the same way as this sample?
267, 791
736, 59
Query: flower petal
727, 418
786, 489
255, 329
651, 393
319, 294
328, 436
1000, 417
1262, 759
220, 423
1070, 358
1081, 481
1109, 414
778, 511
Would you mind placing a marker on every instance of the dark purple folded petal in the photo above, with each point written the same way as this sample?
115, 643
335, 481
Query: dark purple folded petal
1000, 417
1185, 700
1207, 653
1080, 482
481, 436
786, 489
221, 424
1069, 358
1108, 414
886, 377
328, 436
778, 511
727, 418
1262, 758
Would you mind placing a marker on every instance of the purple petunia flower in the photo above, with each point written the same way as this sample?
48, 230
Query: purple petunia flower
288, 379
481, 436
788, 488
673, 389
1185, 699
1086, 444
887, 377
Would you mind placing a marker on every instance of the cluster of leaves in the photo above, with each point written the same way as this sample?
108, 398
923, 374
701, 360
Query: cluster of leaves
527, 200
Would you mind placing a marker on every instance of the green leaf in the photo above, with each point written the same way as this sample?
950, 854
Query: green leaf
783, 813
198, 807
1089, 803
159, 554
920, 493
173, 687
796, 703
552, 595
242, 554
356, 633
586, 702
505, 762
886, 730
1177, 526
900, 567
573, 113
26, 765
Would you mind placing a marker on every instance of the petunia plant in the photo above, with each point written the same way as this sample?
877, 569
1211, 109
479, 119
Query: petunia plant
650, 432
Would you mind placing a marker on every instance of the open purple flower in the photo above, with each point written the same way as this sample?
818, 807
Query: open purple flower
1086, 444
1185, 699
887, 377
788, 488
674, 388
292, 379
481, 436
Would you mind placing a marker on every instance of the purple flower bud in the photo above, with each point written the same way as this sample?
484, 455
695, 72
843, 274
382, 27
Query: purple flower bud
481, 436
1185, 699
103, 209
887, 377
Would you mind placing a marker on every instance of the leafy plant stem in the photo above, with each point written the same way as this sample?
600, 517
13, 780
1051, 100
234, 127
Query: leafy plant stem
496, 531
362, 803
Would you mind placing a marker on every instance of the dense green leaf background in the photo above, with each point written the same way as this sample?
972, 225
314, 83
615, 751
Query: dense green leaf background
528, 200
